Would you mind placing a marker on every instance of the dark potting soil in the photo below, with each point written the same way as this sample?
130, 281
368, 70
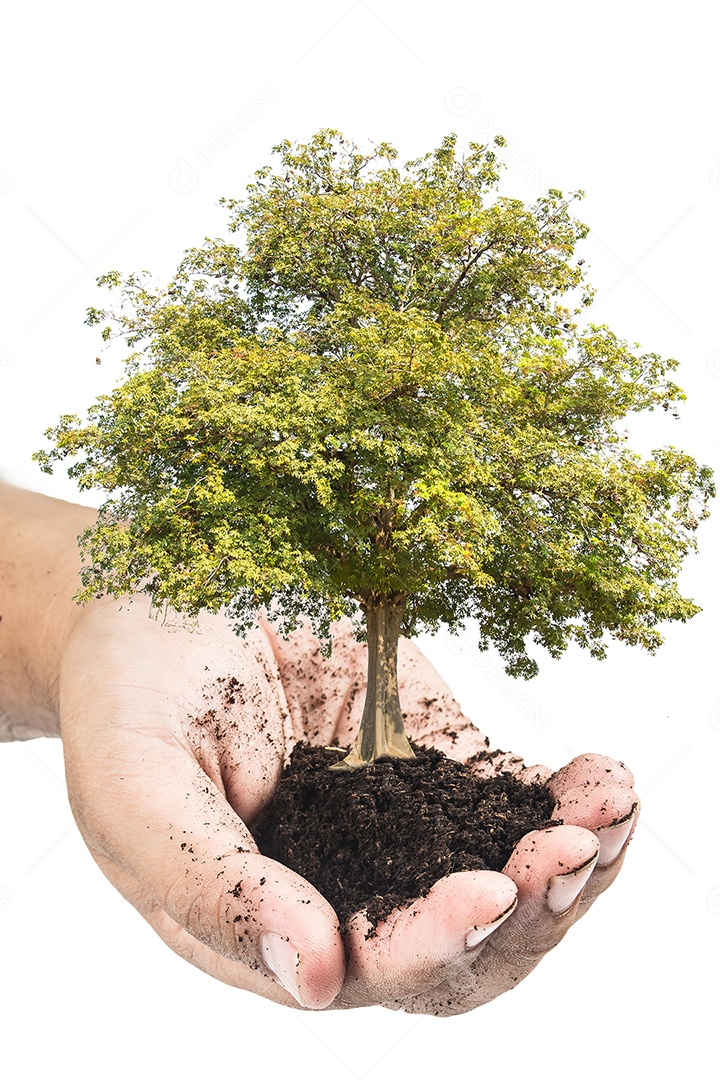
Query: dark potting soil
380, 837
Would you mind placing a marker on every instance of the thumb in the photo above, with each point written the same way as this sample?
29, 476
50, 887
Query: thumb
169, 840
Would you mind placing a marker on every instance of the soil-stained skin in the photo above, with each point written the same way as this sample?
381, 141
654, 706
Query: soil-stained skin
241, 727
410, 828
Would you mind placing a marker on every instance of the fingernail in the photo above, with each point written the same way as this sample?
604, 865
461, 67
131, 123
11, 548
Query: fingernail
564, 889
612, 839
476, 934
283, 960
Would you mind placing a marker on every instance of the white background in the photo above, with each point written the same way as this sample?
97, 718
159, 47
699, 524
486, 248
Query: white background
107, 113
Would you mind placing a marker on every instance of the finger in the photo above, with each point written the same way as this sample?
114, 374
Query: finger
596, 793
417, 947
609, 812
187, 947
589, 770
324, 693
558, 873
142, 799
173, 832
550, 869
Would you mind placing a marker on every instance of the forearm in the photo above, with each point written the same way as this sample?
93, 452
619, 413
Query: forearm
39, 567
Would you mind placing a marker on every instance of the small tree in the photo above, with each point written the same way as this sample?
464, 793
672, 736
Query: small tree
384, 406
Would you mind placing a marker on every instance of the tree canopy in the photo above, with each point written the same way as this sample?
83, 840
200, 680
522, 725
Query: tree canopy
388, 389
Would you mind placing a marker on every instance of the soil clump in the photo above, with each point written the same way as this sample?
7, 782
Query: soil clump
379, 837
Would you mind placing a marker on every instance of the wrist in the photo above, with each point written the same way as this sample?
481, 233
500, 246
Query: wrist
39, 575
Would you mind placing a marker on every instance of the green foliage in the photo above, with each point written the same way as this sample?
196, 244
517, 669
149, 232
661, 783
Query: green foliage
387, 392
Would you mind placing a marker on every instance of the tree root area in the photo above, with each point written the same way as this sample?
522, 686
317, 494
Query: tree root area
379, 837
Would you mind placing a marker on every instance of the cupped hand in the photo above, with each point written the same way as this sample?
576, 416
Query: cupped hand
175, 739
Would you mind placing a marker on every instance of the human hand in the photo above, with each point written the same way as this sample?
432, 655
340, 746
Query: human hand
476, 934
169, 760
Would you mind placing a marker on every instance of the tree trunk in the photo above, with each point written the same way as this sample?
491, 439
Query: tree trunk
382, 731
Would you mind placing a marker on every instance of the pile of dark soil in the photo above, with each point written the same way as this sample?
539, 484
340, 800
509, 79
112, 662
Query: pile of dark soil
380, 837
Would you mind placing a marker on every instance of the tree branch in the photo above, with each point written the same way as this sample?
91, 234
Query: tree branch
465, 271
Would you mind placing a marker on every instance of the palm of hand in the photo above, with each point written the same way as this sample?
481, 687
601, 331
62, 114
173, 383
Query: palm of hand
168, 758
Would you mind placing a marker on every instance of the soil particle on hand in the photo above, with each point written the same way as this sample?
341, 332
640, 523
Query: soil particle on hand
378, 838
